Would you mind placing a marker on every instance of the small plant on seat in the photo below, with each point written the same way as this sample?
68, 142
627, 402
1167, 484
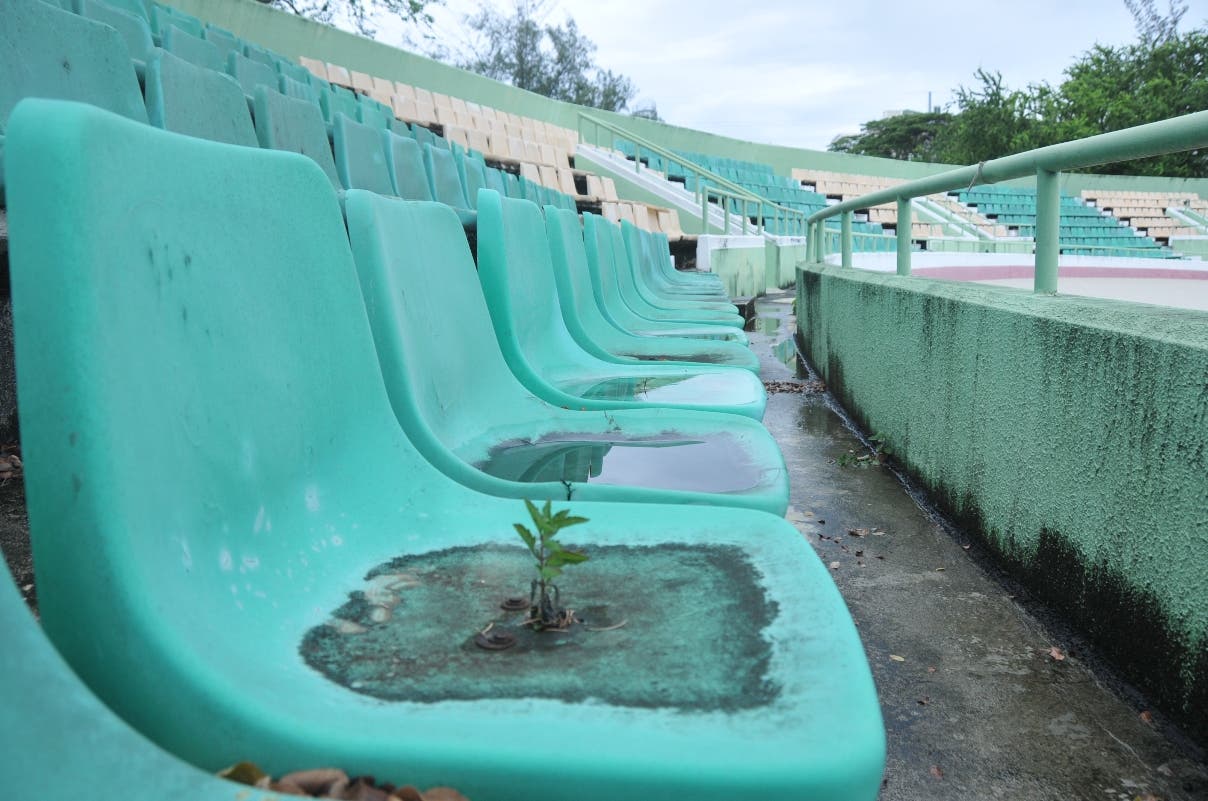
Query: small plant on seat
546, 612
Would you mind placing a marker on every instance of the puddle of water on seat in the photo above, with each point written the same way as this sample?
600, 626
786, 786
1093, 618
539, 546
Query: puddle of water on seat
709, 463
692, 388
693, 636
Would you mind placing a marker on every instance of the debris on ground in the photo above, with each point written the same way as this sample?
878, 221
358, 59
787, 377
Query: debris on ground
335, 784
810, 387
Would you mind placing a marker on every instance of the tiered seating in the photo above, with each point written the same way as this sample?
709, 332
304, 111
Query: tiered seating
267, 465
847, 186
1145, 212
1084, 230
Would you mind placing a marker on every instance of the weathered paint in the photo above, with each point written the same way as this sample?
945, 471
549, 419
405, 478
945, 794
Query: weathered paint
783, 255
739, 260
1070, 433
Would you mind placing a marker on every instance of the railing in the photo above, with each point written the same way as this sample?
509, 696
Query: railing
1155, 139
706, 181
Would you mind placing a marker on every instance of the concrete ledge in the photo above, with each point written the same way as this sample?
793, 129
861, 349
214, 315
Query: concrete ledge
1070, 433
739, 260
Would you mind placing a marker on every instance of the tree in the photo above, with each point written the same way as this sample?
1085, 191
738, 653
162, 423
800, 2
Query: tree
1154, 28
552, 60
909, 136
360, 14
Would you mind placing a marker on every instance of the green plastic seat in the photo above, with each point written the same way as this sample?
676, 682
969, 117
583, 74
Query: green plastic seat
55, 727
656, 257
192, 100
406, 166
498, 437
374, 114
472, 172
48, 52
658, 296
599, 337
676, 278
138, 8
250, 74
637, 298
337, 100
296, 126
495, 180
302, 90
598, 235
219, 474
163, 16
360, 156
263, 55
226, 41
192, 49
443, 178
135, 30
516, 272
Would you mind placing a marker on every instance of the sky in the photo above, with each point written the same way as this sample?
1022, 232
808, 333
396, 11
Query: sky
801, 72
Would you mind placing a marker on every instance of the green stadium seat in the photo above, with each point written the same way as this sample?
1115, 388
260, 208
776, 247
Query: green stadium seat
293, 125
338, 100
192, 100
428, 355
360, 156
191, 48
55, 726
224, 40
443, 179
471, 170
372, 113
597, 335
239, 472
656, 307
298, 89
408, 175
263, 55
250, 74
495, 181
655, 288
601, 237
516, 272
162, 16
134, 29
138, 8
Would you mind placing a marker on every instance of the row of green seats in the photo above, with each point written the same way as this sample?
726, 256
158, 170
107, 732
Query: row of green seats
271, 539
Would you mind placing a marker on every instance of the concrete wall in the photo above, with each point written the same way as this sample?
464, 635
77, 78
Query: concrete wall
1071, 434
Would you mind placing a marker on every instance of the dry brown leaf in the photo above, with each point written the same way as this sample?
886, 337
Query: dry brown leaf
897, 658
937, 772
834, 565
1057, 654
443, 794
1147, 717
857, 532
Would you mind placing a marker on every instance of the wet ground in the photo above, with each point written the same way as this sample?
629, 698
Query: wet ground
984, 695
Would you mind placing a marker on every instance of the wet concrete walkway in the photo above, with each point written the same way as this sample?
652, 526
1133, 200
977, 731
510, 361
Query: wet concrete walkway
983, 697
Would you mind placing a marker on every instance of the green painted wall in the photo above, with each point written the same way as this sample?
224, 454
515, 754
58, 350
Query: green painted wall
293, 36
1070, 433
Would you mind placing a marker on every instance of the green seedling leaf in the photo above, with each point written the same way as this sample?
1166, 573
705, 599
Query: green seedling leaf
527, 536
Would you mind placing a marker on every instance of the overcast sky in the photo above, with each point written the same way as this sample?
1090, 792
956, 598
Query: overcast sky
800, 73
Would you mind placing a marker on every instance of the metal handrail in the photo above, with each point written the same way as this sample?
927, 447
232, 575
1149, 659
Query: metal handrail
706, 179
1174, 135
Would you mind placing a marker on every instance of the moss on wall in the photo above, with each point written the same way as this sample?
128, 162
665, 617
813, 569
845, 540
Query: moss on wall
1070, 433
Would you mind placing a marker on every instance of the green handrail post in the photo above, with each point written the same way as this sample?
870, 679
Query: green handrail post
637, 157
725, 228
704, 210
745, 219
845, 238
1048, 231
904, 219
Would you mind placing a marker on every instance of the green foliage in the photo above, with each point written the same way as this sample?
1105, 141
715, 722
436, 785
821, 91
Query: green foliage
551, 557
357, 13
909, 136
1163, 75
552, 60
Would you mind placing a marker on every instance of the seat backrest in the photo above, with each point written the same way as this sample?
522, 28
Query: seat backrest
135, 29
472, 172
191, 48
406, 165
415, 264
374, 114
336, 99
48, 52
224, 40
495, 181
192, 100
300, 90
360, 156
443, 178
250, 74
258, 53
293, 125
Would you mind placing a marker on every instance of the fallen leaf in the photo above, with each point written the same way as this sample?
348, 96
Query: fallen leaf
876, 532
1057, 654
443, 794
966, 547
897, 658
1146, 797
940, 569
931, 669
925, 700
1147, 717
859, 553
857, 532
936, 772
834, 565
